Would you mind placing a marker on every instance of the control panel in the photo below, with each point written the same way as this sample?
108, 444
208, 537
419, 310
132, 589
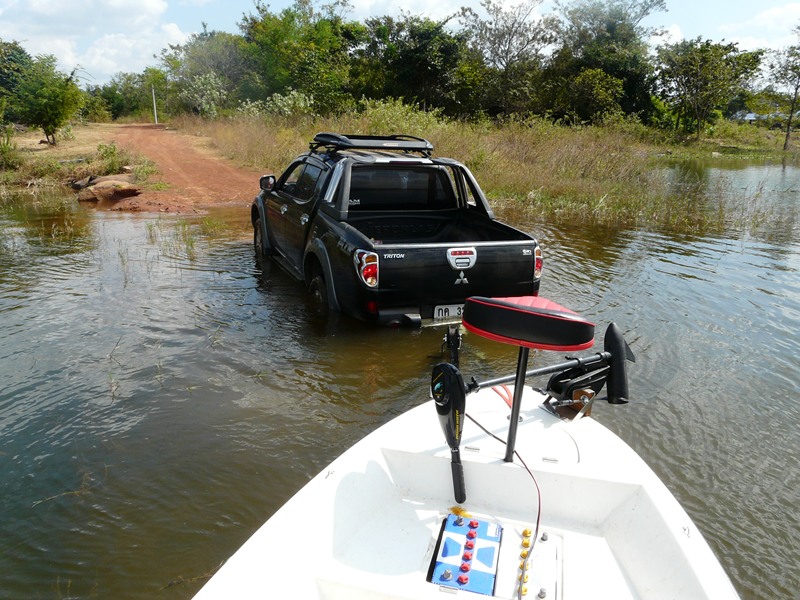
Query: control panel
467, 554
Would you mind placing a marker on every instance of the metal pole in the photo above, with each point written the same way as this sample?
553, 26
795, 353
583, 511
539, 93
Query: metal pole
599, 359
519, 384
155, 112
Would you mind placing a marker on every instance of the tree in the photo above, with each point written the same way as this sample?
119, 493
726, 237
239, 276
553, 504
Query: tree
206, 56
698, 77
785, 72
45, 97
510, 42
204, 94
596, 95
14, 60
509, 36
304, 49
417, 59
606, 35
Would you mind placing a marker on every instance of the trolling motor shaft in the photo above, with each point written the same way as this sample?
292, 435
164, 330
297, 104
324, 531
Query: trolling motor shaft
449, 395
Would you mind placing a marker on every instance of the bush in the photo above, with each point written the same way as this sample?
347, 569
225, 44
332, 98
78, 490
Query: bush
388, 116
10, 157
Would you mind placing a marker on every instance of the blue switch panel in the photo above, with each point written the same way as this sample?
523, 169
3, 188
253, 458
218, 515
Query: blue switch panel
467, 554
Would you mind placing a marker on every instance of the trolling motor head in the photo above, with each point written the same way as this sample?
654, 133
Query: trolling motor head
621, 353
449, 396
589, 376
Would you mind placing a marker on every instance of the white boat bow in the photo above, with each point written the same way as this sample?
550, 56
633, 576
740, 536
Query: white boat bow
576, 514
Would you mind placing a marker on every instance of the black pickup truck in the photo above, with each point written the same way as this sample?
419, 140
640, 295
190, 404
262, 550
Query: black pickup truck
379, 229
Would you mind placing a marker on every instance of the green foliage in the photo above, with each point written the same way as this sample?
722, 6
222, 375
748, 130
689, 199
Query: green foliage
607, 36
10, 157
290, 104
785, 72
302, 48
205, 94
596, 95
14, 61
45, 97
207, 71
392, 115
699, 77
94, 108
111, 159
307, 59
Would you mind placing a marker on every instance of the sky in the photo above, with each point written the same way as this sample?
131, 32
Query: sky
105, 37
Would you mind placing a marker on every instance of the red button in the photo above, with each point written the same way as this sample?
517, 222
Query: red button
469, 544
474, 524
467, 556
471, 533
465, 567
462, 579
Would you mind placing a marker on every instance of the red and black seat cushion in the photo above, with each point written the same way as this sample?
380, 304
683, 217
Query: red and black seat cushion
529, 321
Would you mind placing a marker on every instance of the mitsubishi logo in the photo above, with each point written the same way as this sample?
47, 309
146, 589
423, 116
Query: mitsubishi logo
461, 279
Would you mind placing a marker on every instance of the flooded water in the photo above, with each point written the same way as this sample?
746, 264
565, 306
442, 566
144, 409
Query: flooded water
161, 396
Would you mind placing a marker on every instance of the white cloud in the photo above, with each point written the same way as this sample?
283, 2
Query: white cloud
120, 52
102, 37
362, 9
672, 35
775, 19
772, 19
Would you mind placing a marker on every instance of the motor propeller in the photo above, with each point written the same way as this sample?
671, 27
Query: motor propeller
449, 396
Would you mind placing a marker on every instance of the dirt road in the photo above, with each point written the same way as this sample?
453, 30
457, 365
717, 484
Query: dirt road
194, 178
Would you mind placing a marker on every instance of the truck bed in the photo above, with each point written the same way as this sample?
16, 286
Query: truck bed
432, 227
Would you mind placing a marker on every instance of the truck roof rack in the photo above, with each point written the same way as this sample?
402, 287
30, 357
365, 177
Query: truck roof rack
398, 142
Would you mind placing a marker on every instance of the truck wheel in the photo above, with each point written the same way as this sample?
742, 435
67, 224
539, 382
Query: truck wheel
261, 248
319, 293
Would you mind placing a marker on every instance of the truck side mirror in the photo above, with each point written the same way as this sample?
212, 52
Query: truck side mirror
267, 182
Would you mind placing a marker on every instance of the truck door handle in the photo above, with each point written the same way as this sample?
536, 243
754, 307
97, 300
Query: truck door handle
284, 208
303, 219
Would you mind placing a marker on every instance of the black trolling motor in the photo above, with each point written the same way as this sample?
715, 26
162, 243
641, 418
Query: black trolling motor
449, 395
572, 381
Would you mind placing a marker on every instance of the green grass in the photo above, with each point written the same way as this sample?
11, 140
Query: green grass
28, 169
609, 175
612, 174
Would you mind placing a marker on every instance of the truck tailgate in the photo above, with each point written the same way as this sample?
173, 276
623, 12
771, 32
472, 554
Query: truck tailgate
442, 274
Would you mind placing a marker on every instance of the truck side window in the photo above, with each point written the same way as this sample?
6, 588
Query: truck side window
301, 181
289, 183
307, 184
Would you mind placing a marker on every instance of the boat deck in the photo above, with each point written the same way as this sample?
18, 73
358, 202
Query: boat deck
368, 526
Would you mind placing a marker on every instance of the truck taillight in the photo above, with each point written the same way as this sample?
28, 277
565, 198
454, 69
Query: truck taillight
538, 262
366, 264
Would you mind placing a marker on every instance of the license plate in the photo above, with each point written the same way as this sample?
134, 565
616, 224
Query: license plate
444, 312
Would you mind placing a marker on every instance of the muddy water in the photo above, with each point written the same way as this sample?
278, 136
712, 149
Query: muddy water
161, 395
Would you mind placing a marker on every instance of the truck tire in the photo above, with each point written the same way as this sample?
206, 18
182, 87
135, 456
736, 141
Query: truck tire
319, 293
262, 246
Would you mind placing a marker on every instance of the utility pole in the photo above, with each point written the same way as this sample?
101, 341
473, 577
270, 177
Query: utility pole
155, 112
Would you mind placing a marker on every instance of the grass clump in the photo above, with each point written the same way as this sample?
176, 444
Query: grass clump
10, 156
31, 166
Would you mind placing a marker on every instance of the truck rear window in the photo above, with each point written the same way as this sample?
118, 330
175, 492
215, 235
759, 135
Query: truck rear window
400, 188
